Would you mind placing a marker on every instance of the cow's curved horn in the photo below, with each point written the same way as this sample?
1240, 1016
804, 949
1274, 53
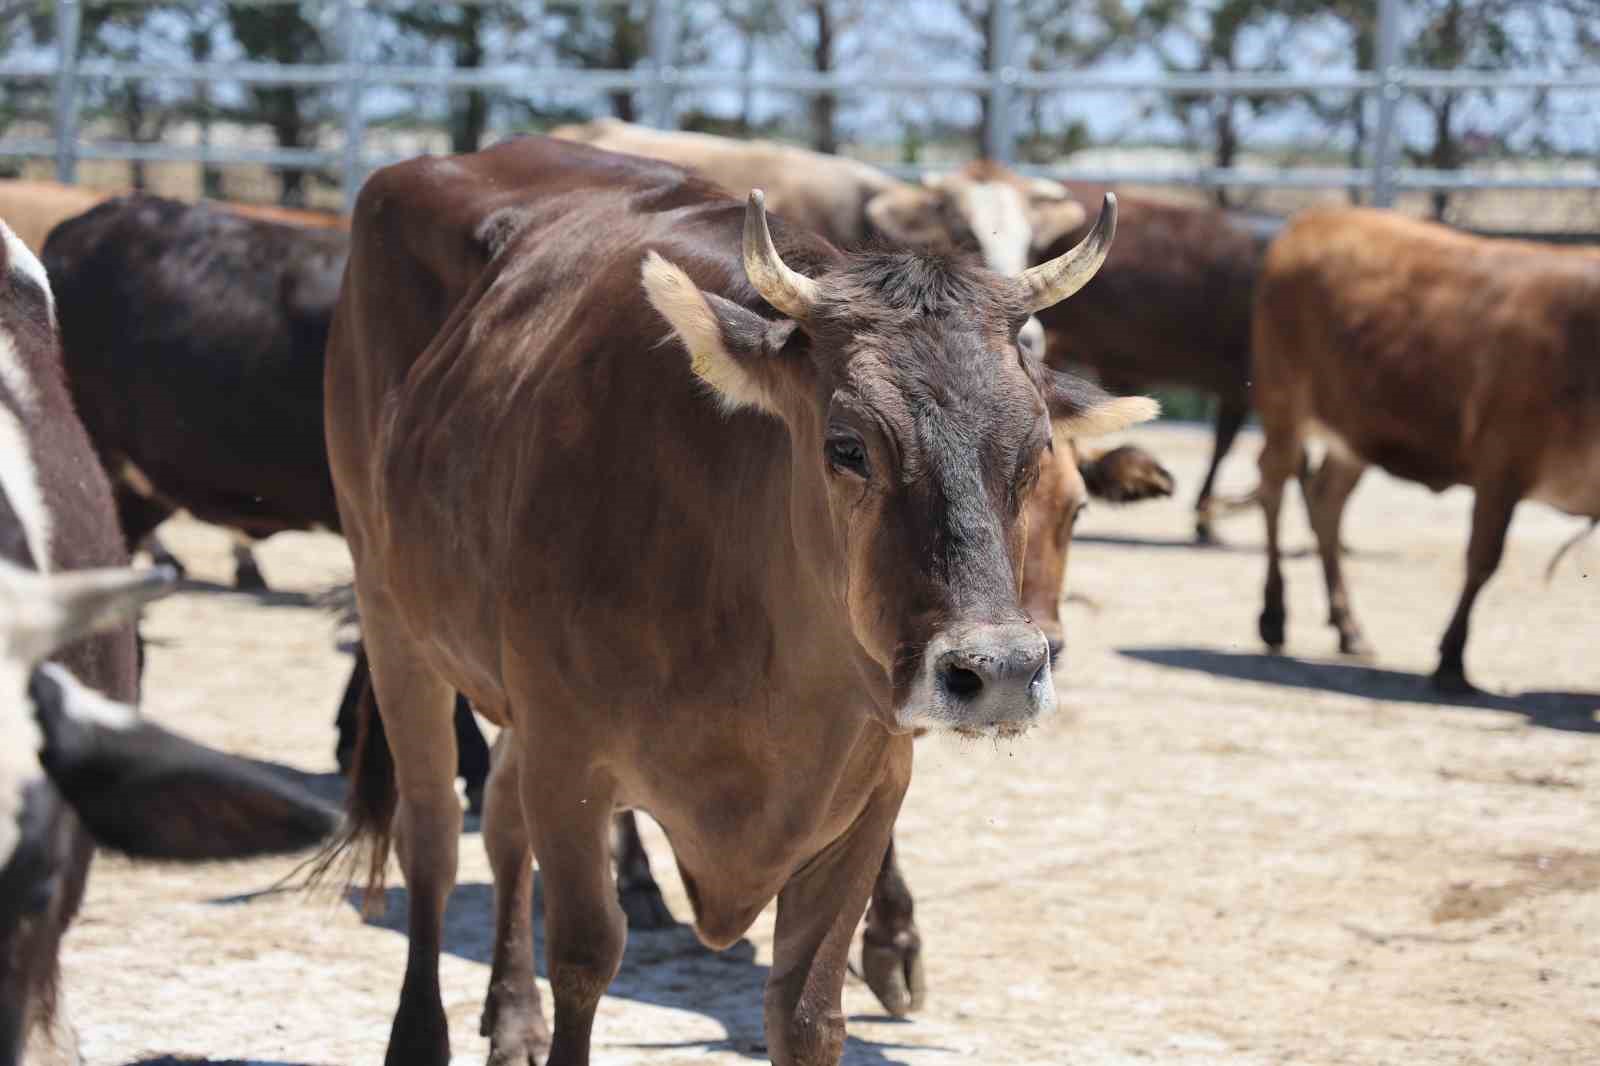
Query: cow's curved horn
788, 290
1049, 283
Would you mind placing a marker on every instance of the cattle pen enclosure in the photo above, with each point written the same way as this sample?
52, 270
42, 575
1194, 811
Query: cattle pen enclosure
656, 71
1214, 856
1212, 853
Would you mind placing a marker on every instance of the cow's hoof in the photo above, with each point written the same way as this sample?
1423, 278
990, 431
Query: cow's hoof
1452, 681
1204, 537
248, 578
645, 908
518, 1036
1354, 644
895, 975
1271, 628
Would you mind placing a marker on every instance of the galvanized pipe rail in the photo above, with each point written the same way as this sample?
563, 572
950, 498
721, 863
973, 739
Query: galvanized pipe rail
660, 81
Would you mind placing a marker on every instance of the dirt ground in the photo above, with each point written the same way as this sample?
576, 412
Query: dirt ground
1216, 857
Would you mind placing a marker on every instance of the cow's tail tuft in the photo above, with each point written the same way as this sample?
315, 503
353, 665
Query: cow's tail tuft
361, 848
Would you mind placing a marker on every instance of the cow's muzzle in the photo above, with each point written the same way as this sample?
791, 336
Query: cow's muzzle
983, 680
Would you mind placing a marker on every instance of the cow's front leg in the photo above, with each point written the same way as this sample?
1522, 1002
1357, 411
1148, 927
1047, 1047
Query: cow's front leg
891, 947
567, 803
818, 911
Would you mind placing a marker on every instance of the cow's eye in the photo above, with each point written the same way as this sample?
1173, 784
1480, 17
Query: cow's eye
847, 454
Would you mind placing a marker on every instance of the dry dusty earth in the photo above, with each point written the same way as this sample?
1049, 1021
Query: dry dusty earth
1218, 857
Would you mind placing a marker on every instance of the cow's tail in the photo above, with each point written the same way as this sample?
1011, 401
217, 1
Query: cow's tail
1572, 542
361, 848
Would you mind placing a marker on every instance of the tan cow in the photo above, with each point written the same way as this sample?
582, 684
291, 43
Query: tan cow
1443, 358
33, 208
983, 208
714, 547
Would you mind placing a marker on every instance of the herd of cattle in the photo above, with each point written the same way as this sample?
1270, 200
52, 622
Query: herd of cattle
618, 456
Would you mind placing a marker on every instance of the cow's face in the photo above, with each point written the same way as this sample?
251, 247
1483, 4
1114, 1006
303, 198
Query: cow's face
922, 426
1006, 218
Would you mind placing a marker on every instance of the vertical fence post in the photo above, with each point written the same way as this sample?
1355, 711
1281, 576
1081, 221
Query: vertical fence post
663, 56
1389, 90
352, 86
69, 19
999, 139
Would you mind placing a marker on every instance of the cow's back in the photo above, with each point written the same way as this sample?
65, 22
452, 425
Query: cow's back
1171, 304
1442, 357
826, 194
194, 341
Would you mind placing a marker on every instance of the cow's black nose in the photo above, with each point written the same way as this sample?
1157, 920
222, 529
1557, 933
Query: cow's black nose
998, 664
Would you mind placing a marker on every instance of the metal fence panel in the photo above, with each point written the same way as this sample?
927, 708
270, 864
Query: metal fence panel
659, 81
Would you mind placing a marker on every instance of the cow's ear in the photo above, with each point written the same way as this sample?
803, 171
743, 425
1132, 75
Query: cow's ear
730, 347
151, 794
907, 215
1080, 408
1052, 219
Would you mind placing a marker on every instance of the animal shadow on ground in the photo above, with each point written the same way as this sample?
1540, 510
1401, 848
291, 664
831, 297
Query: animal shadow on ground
173, 1060
665, 968
264, 597
1117, 540
1571, 711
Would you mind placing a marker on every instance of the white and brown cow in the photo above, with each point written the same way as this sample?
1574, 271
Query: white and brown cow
77, 765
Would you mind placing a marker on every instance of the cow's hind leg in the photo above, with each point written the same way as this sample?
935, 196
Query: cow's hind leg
472, 752
513, 1018
1231, 413
891, 946
415, 706
637, 889
818, 911
567, 803
1491, 518
1280, 458
1326, 494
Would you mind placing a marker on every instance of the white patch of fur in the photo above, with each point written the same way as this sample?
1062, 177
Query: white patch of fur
19, 478
24, 262
88, 706
999, 219
19, 755
672, 293
1110, 417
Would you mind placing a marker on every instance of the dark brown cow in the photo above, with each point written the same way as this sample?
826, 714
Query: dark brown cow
1171, 306
1442, 358
715, 558
77, 766
193, 340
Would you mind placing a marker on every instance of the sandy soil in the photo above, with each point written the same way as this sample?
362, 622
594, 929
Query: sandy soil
1217, 857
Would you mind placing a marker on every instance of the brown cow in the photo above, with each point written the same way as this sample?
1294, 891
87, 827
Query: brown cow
1442, 358
715, 558
1171, 306
984, 208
